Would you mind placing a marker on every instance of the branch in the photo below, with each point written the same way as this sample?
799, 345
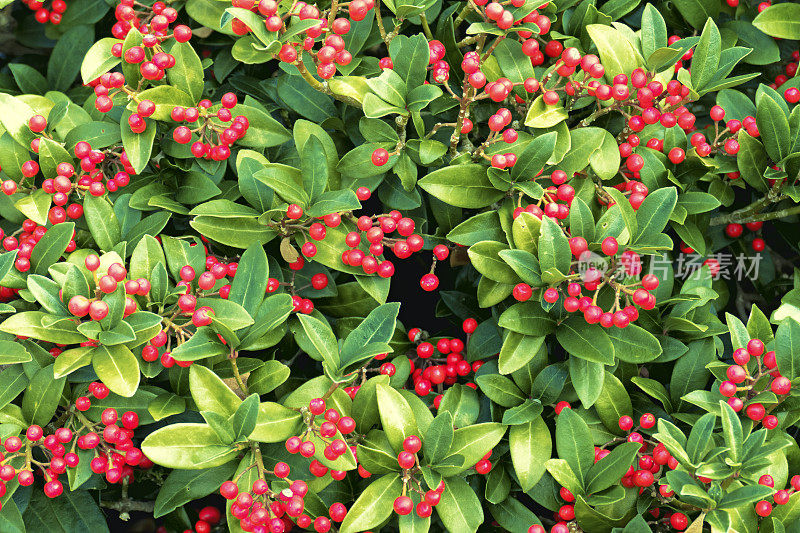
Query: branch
126, 505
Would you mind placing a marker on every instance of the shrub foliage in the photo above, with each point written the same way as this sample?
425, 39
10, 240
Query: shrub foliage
205, 204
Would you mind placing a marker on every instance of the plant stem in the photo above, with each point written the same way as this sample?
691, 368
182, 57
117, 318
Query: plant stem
237, 375
425, 28
757, 217
379, 21
462, 14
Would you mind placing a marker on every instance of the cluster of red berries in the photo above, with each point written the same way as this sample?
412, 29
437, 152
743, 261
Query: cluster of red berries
743, 377
374, 228
326, 430
495, 12
409, 462
556, 200
260, 510
636, 292
25, 243
332, 51
214, 139
90, 180
207, 518
44, 15
734, 231
115, 456
437, 364
263, 511
152, 21
97, 308
791, 94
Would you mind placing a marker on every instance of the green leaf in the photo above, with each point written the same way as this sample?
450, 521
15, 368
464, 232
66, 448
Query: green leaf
377, 327
71, 360
459, 509
530, 446
14, 116
71, 511
439, 437
697, 12
500, 389
138, 146
268, 377
374, 505
29, 80
654, 30
187, 446
250, 282
581, 220
616, 52
397, 418
608, 470
461, 186
470, 444
410, 56
481, 227
29, 324
586, 341
245, 417
746, 495
389, 86
13, 381
66, 57
235, 232
166, 404
322, 339
554, 252
513, 515
534, 157
587, 379
42, 396
732, 431
210, 393
517, 351
542, 115
51, 247
314, 167
183, 486
527, 318
276, 423
574, 443
231, 314
773, 127
780, 20
787, 348
654, 389
145, 257
705, 60
187, 73
613, 402
484, 256
118, 368
99, 60
634, 344
524, 264
102, 222
526, 412
35, 206
12, 352
700, 441
653, 215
